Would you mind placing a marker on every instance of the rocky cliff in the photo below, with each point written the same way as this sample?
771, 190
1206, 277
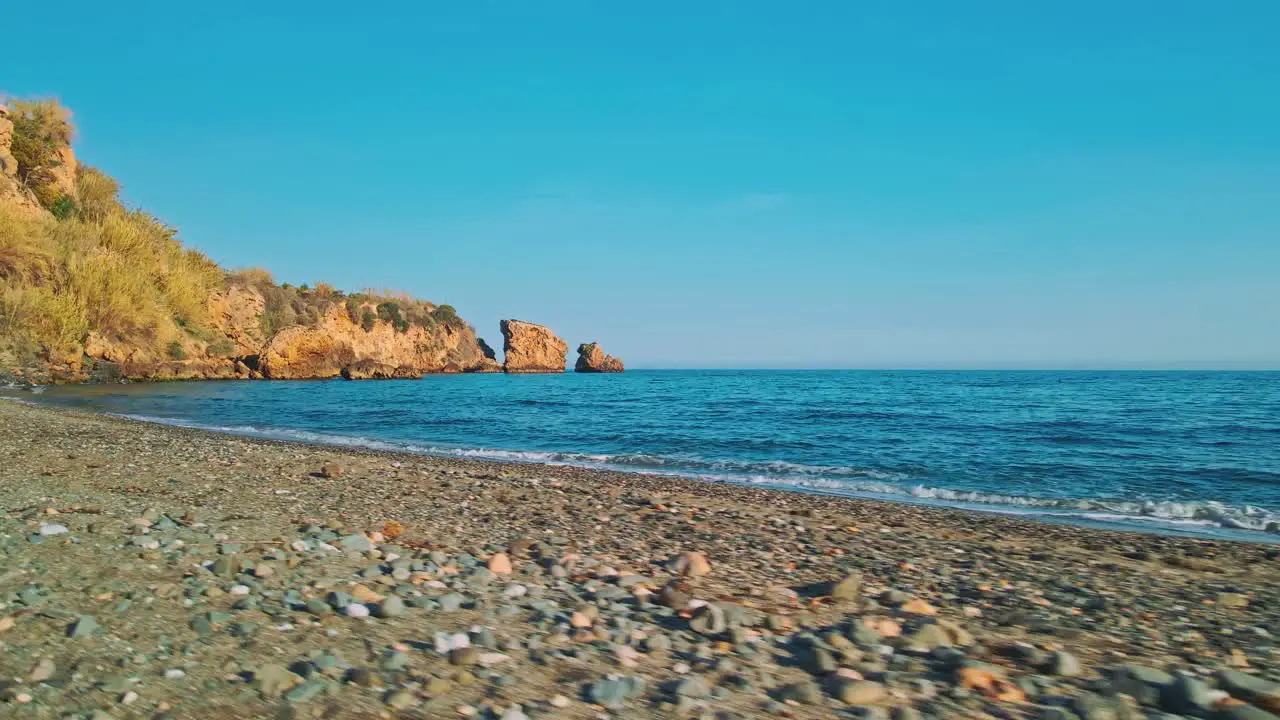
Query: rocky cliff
337, 343
13, 194
91, 289
591, 359
529, 348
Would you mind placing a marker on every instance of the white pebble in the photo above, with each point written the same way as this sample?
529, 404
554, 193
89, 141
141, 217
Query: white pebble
681, 668
174, 674
560, 701
356, 610
53, 529
238, 590
300, 545
493, 658
516, 591
128, 698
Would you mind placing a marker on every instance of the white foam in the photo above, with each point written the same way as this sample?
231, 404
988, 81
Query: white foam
843, 481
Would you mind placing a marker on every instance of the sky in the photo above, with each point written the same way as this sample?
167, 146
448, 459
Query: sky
721, 183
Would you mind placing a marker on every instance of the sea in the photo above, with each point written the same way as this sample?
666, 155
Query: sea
1184, 453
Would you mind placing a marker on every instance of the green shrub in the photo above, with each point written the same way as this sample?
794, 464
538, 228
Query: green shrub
367, 320
390, 312
447, 315
64, 207
176, 352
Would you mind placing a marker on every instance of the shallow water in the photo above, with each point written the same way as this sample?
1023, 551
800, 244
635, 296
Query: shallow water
1186, 452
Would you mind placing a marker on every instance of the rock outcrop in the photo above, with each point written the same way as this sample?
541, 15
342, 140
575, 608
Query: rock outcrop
13, 194
336, 343
591, 359
368, 369
529, 348
235, 312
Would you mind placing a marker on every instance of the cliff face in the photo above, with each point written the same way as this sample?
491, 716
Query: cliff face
529, 348
591, 359
337, 343
13, 194
92, 289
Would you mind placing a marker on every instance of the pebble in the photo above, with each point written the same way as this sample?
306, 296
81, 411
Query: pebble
84, 626
464, 656
499, 564
306, 691
1064, 664
42, 671
356, 610
693, 687
358, 543
860, 692
805, 692
53, 529
689, 564
847, 588
708, 620
401, 699
391, 607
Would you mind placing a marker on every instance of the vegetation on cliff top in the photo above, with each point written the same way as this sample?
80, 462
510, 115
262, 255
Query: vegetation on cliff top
93, 264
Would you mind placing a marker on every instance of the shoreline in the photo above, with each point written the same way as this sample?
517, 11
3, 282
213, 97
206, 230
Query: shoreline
159, 533
1084, 513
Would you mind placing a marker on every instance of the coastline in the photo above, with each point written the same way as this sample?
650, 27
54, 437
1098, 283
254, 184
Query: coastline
1109, 598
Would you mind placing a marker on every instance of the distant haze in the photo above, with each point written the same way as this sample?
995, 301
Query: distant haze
747, 184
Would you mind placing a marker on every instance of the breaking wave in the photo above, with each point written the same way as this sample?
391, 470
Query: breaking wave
823, 479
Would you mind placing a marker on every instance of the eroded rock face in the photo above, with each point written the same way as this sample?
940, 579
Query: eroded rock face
373, 370
234, 312
129, 360
591, 359
530, 348
335, 343
13, 196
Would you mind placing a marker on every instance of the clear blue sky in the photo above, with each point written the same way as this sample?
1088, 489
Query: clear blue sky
732, 183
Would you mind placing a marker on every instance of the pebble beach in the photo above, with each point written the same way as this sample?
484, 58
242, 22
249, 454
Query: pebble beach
160, 572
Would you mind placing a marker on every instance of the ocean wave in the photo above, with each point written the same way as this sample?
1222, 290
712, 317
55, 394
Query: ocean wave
826, 479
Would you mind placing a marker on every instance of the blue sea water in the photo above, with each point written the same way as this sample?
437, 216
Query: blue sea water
1184, 452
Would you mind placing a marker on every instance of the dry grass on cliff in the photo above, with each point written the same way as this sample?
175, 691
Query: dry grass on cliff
118, 271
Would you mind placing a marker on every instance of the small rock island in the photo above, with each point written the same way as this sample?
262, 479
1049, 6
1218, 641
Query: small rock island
529, 348
591, 359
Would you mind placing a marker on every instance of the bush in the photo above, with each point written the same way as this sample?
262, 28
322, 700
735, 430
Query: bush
97, 194
64, 207
367, 320
390, 312
41, 129
176, 352
446, 315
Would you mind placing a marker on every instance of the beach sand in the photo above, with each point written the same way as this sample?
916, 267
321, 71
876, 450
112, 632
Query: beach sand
224, 576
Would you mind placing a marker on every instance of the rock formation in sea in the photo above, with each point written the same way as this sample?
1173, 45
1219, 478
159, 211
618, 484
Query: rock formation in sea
591, 359
529, 348
92, 289
337, 343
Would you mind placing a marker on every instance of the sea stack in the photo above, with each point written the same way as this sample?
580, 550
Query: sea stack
591, 359
529, 348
